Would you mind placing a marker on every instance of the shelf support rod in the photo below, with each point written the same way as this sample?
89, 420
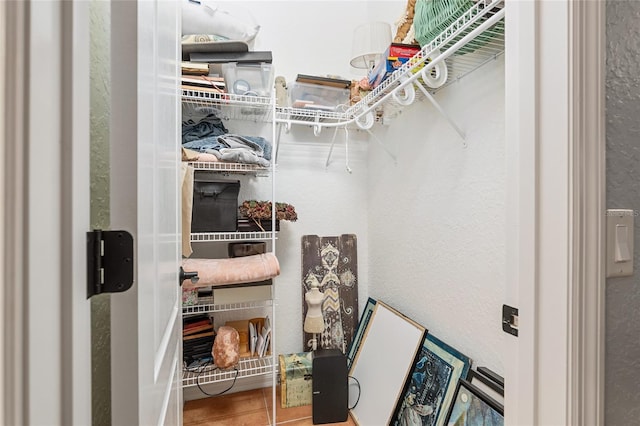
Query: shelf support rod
333, 142
278, 134
442, 112
346, 148
389, 153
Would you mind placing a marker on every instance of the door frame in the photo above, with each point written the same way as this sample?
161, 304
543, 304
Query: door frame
45, 214
542, 171
555, 200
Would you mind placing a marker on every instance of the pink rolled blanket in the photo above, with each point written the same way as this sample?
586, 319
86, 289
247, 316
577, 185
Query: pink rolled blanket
236, 270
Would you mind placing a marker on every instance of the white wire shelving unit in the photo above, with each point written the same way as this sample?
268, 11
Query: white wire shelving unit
481, 27
484, 20
207, 305
229, 106
248, 109
247, 367
207, 237
229, 168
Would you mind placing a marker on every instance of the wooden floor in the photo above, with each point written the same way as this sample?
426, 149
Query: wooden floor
250, 408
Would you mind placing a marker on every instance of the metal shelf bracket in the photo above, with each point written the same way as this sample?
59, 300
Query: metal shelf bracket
346, 149
442, 112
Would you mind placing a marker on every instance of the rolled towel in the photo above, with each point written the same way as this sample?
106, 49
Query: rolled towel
236, 270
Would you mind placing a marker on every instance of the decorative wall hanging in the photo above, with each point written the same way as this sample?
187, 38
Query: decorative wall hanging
331, 263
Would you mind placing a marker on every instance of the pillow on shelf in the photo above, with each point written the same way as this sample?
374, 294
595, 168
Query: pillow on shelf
205, 17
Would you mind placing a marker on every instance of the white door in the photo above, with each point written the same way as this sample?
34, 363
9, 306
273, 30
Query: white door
44, 169
146, 320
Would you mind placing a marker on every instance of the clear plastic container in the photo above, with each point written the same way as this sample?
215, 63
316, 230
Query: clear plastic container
316, 96
248, 79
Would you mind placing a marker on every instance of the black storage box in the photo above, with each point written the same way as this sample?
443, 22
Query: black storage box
247, 248
248, 225
215, 203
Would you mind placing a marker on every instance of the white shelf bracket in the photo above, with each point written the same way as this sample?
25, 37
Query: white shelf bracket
333, 142
317, 128
277, 141
346, 148
389, 153
442, 112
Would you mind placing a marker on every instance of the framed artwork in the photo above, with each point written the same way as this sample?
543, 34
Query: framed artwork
492, 375
485, 384
362, 325
432, 384
472, 407
382, 364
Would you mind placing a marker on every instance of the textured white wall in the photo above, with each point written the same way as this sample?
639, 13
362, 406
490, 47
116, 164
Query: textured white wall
437, 217
622, 403
430, 229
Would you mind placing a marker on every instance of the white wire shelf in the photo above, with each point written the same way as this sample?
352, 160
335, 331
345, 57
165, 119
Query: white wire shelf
201, 237
470, 42
483, 21
310, 117
205, 305
460, 66
225, 167
229, 106
248, 367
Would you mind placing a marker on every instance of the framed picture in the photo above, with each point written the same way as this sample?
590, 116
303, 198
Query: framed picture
492, 375
359, 334
382, 364
431, 387
485, 384
472, 407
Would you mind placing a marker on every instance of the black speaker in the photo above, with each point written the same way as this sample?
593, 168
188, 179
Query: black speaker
330, 400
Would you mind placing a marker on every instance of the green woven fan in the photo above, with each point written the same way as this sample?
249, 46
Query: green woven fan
432, 17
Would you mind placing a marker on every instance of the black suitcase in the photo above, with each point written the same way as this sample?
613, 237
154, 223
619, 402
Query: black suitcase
215, 204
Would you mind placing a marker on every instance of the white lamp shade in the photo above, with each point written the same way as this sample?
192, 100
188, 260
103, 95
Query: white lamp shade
369, 41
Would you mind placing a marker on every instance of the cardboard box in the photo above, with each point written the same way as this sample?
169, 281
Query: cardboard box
396, 55
237, 294
295, 379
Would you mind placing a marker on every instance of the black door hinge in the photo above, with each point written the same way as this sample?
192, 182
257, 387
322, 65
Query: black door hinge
510, 320
109, 262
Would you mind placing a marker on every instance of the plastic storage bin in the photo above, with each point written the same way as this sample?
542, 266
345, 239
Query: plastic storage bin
316, 96
248, 79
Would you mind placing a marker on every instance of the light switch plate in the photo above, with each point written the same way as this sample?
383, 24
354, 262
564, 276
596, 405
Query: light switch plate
620, 242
